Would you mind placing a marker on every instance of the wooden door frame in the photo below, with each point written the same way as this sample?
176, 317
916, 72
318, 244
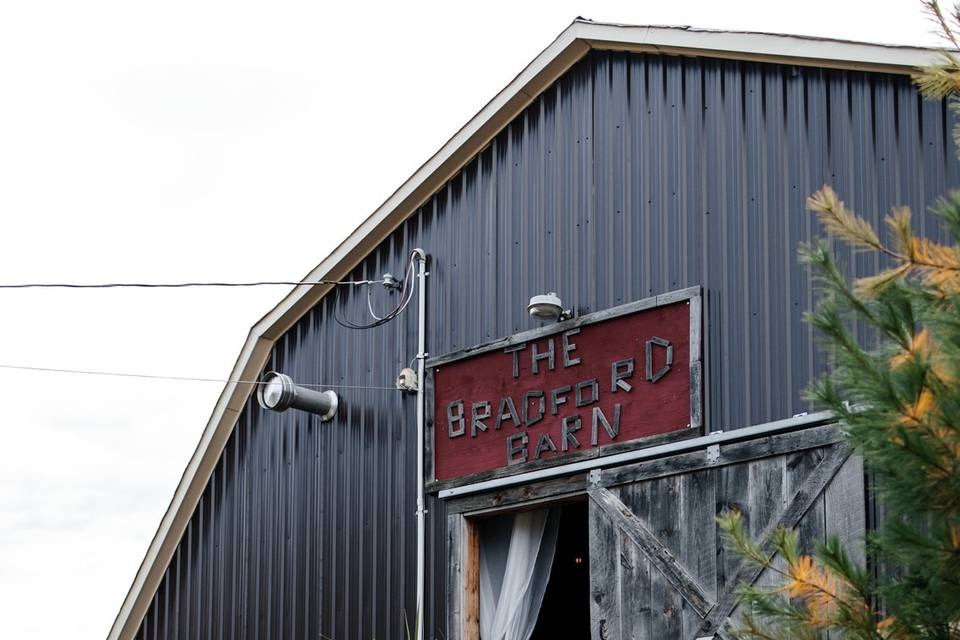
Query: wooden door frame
463, 536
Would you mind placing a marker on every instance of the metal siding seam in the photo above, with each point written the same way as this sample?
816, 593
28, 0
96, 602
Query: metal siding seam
726, 189
524, 202
819, 174
584, 241
356, 564
487, 191
773, 214
381, 430
647, 157
676, 226
624, 183
694, 189
189, 564
753, 248
865, 180
797, 184
606, 169
558, 192
214, 592
712, 263
656, 240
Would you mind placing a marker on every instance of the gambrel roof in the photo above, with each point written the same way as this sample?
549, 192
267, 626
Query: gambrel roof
575, 42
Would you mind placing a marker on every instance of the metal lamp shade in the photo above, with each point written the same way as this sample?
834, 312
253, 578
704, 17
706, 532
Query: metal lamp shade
277, 392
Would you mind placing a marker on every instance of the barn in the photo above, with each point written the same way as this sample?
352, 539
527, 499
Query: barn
513, 401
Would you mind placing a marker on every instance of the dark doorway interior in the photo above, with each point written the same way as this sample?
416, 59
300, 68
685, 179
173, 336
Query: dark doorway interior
565, 612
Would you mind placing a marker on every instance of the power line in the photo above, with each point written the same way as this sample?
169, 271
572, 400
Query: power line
180, 378
179, 285
406, 294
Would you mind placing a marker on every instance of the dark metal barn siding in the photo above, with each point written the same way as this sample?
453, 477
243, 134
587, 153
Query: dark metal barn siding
633, 175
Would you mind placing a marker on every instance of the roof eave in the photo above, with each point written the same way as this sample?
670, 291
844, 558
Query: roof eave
761, 47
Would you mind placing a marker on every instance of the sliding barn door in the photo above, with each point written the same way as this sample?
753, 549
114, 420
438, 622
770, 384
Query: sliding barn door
658, 568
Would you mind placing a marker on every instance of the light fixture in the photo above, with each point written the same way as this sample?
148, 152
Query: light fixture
277, 392
546, 307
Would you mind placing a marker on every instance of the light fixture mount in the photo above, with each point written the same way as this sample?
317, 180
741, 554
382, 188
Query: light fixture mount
278, 392
547, 307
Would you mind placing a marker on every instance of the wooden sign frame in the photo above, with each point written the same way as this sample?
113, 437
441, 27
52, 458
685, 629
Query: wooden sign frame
691, 295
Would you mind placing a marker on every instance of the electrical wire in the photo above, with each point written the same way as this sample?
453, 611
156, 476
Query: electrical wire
406, 294
181, 285
370, 304
406, 291
181, 378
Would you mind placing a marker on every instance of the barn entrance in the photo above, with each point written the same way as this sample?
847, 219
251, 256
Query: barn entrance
633, 550
534, 574
565, 612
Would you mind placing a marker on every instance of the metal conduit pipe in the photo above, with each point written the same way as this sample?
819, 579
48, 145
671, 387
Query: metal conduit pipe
421, 259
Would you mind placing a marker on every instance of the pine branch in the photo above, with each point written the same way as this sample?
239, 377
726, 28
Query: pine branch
840, 221
906, 427
933, 11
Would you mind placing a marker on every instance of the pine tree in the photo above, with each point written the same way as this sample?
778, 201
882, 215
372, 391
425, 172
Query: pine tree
898, 400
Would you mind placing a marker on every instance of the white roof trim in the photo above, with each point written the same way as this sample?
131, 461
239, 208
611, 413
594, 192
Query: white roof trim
769, 47
574, 43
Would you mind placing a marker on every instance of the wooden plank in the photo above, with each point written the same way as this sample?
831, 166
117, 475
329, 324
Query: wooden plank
730, 454
765, 498
454, 576
802, 499
524, 467
567, 458
696, 364
635, 612
664, 498
429, 434
698, 552
526, 494
670, 585
791, 474
812, 527
604, 575
876, 517
471, 580
732, 490
845, 508
650, 441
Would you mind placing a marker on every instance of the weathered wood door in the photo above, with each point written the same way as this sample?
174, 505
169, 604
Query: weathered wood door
659, 569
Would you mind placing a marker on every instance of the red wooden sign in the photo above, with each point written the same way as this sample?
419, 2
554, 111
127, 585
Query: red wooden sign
600, 383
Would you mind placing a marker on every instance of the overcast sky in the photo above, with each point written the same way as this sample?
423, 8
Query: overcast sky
217, 141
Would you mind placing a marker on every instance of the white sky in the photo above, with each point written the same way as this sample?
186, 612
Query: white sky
173, 141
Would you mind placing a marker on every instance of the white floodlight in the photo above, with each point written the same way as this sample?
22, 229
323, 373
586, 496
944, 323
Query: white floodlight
546, 307
277, 392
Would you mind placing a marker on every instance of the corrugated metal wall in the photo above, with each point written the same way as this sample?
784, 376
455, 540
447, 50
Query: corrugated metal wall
633, 175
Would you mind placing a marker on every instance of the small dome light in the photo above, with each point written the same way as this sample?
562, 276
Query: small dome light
546, 307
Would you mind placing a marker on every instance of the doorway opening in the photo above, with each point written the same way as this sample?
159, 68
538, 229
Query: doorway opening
565, 612
534, 574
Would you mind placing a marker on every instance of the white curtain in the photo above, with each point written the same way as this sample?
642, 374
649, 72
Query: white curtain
516, 554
